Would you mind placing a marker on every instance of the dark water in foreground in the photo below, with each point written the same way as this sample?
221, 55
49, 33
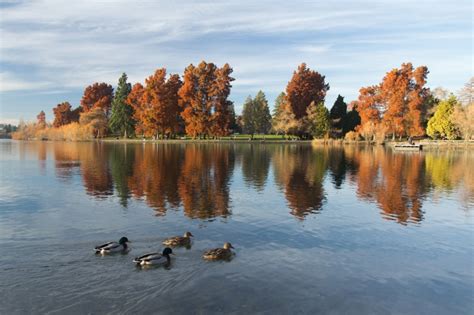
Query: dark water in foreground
355, 231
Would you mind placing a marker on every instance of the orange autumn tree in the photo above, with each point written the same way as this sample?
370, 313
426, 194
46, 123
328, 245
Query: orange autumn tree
369, 110
206, 109
134, 99
418, 105
223, 108
306, 86
97, 95
63, 114
41, 119
156, 105
398, 104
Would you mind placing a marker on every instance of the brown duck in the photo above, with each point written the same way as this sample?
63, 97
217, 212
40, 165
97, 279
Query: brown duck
219, 253
179, 240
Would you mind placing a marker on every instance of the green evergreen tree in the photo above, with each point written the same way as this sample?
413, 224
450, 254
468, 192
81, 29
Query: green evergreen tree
351, 121
317, 120
277, 112
249, 117
256, 115
121, 120
233, 120
262, 111
337, 115
441, 125
279, 101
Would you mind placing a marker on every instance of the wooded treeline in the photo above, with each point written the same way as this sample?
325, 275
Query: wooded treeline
197, 104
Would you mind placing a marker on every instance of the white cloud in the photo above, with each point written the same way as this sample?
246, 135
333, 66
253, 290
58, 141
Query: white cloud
8, 82
315, 49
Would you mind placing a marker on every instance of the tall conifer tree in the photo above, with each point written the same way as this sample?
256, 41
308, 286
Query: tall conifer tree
121, 120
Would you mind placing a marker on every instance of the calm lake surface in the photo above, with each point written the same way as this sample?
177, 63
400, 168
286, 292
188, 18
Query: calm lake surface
344, 230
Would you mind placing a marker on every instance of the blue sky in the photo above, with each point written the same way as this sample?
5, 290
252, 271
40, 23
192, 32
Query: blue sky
51, 50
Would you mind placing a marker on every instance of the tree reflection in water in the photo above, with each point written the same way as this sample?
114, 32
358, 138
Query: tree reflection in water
95, 169
396, 181
197, 177
299, 172
255, 161
154, 176
203, 183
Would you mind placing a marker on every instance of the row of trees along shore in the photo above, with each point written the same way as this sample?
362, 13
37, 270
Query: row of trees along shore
197, 105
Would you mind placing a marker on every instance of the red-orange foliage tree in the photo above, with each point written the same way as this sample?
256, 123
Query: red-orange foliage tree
418, 104
305, 86
63, 114
223, 108
368, 108
97, 95
398, 102
206, 109
41, 119
134, 99
156, 105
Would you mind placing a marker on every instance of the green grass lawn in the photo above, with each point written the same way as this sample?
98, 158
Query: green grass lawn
237, 137
255, 137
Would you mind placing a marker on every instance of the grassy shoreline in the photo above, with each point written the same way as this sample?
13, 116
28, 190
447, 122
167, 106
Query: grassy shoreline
254, 141
427, 144
273, 139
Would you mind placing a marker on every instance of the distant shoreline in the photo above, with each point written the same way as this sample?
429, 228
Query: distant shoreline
180, 141
427, 144
321, 142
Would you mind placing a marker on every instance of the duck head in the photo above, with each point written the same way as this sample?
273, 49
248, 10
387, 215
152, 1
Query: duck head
123, 241
167, 251
228, 245
188, 234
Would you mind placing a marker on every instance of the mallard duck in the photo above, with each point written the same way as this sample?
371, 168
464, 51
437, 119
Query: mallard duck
155, 258
219, 253
179, 240
112, 247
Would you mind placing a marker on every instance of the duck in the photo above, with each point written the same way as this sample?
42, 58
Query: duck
155, 258
179, 240
219, 253
113, 247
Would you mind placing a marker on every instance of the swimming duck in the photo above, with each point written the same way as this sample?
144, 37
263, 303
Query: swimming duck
179, 240
112, 247
155, 258
219, 253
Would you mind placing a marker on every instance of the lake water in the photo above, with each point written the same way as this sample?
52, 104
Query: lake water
315, 230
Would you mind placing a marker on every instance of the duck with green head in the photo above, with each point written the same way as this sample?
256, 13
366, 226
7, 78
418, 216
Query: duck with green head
155, 259
113, 247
